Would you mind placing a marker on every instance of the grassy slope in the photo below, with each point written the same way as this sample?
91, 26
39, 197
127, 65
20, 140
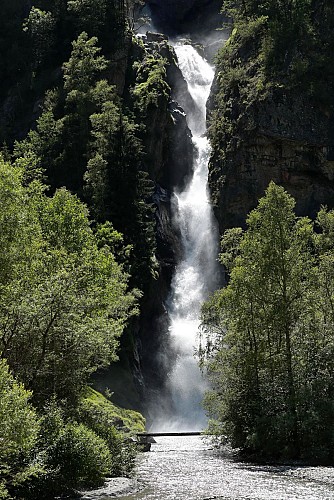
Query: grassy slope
133, 421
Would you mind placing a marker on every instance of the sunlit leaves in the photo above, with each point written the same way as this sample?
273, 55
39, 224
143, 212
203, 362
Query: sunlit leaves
84, 64
270, 333
63, 298
18, 420
40, 26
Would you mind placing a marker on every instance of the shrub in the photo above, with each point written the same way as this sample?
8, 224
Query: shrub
98, 414
80, 456
19, 427
18, 420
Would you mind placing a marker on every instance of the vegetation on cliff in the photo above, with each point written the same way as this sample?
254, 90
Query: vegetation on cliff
269, 334
271, 110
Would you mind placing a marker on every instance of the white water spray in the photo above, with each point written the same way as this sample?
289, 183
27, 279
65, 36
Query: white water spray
197, 274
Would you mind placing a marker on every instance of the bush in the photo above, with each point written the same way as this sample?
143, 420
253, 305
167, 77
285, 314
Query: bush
19, 427
18, 420
80, 456
97, 413
68, 455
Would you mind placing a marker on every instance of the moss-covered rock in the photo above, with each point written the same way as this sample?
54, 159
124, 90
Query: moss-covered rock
127, 421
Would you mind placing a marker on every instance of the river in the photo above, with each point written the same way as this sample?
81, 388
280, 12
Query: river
188, 468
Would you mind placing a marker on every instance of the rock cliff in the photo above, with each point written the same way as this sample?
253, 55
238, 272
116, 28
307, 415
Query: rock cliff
182, 16
169, 159
283, 138
168, 162
271, 116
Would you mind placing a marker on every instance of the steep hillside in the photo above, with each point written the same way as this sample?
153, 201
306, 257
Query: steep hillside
271, 111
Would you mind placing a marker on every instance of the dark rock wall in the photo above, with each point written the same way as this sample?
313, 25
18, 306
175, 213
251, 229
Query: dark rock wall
185, 16
167, 140
284, 138
169, 156
168, 147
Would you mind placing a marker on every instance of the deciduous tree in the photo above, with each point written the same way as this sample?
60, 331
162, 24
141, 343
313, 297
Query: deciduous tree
268, 334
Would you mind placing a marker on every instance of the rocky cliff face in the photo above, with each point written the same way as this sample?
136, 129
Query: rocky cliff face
168, 161
182, 16
167, 139
271, 114
282, 138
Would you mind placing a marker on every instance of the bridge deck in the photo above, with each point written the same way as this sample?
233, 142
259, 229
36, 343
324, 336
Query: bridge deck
160, 434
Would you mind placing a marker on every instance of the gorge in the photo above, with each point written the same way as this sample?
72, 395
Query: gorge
109, 174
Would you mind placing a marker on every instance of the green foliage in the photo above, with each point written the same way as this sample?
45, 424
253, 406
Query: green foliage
102, 416
40, 26
96, 189
286, 39
20, 234
151, 85
18, 420
133, 421
64, 301
63, 304
82, 68
4, 495
101, 18
65, 224
19, 427
80, 456
95, 149
90, 15
268, 331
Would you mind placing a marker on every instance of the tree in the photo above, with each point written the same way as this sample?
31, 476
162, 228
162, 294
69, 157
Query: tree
90, 14
63, 300
84, 65
19, 427
262, 322
102, 18
40, 26
20, 236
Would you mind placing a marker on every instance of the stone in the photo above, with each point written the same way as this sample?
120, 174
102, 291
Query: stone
156, 37
113, 487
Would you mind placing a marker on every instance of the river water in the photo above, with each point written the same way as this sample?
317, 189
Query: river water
188, 468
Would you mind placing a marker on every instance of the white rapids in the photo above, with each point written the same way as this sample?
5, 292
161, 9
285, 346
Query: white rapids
197, 273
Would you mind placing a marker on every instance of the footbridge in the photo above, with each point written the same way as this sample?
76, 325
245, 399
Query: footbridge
160, 434
145, 439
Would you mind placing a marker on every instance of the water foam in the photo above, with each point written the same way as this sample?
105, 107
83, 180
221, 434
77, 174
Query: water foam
197, 274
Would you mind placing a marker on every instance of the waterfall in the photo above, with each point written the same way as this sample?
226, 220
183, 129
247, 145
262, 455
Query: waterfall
197, 274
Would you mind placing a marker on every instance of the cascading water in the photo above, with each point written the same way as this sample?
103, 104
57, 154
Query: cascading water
197, 273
